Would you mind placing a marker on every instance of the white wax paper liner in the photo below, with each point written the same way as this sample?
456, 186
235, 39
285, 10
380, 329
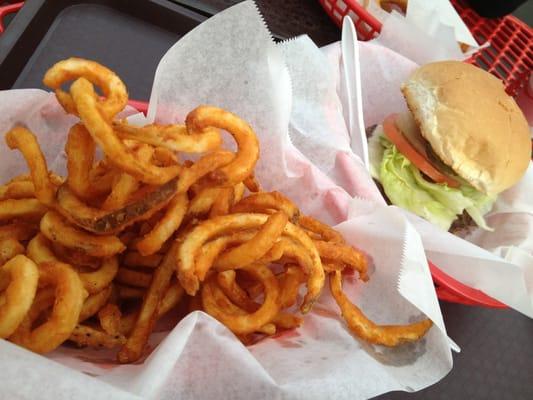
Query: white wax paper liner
200, 358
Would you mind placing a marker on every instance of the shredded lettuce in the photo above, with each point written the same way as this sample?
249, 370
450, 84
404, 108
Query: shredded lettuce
405, 186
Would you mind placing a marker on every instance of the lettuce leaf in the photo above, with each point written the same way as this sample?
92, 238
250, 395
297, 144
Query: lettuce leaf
405, 186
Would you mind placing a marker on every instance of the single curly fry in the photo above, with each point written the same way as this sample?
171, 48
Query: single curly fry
267, 202
172, 137
39, 250
25, 141
360, 325
206, 117
115, 93
80, 150
26, 209
165, 227
326, 232
69, 298
18, 284
56, 229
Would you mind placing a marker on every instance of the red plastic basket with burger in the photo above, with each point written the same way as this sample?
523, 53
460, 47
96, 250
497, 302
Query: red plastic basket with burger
463, 141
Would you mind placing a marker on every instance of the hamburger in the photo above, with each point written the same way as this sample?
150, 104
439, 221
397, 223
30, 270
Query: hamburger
463, 141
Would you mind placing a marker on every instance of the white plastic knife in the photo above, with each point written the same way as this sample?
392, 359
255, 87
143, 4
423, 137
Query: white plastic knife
352, 80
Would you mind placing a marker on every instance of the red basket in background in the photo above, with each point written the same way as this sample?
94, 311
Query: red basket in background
509, 56
6, 10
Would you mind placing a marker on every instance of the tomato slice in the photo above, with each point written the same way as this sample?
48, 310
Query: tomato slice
419, 160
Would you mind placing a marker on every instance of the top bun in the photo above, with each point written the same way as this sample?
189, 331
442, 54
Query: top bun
471, 123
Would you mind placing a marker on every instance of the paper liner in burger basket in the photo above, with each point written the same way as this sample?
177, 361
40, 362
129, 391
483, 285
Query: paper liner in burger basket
427, 31
499, 263
232, 62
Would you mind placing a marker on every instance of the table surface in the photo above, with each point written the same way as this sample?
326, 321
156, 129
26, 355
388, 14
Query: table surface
496, 361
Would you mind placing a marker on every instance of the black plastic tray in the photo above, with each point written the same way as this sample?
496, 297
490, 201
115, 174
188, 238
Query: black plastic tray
117, 33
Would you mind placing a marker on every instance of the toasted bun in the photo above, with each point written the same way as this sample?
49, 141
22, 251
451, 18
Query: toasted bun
471, 123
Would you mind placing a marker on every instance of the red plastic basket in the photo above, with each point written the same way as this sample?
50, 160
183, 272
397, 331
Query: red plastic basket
6, 10
509, 56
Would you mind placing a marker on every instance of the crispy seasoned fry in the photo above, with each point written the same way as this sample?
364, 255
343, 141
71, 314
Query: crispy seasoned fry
344, 254
26, 209
165, 228
84, 335
226, 281
18, 282
238, 193
17, 190
171, 298
306, 258
123, 188
267, 202
223, 202
109, 317
57, 230
96, 281
137, 339
95, 302
126, 184
287, 321
325, 232
228, 284
22, 139
204, 166
290, 282
69, 298
80, 150
252, 184
75, 257
210, 251
360, 325
172, 137
40, 250
148, 202
164, 157
205, 117
203, 201
114, 90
